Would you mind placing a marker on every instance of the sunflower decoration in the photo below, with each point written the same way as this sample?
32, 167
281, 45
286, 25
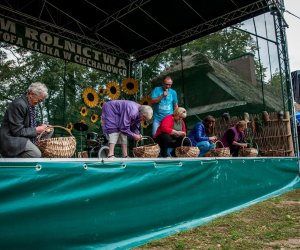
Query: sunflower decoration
101, 91
144, 124
146, 100
130, 86
90, 97
94, 118
70, 126
113, 90
83, 121
83, 111
101, 104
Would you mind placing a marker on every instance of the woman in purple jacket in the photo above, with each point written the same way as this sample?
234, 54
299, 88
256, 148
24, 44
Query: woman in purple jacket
234, 138
202, 135
122, 118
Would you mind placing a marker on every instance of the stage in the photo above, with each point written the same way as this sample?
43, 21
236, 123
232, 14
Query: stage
122, 203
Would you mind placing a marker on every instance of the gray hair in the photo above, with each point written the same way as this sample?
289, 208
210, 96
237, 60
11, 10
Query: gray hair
146, 111
39, 89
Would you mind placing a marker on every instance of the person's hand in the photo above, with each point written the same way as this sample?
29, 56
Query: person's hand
137, 137
41, 128
212, 138
244, 145
181, 133
165, 93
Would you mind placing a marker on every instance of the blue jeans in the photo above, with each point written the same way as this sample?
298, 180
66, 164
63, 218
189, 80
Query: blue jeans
204, 147
155, 125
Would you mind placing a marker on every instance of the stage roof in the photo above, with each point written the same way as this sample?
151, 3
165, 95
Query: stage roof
131, 28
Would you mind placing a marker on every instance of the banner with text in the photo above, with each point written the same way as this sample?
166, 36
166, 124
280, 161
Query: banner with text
46, 43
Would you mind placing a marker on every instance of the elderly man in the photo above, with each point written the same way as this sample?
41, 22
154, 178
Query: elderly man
122, 118
164, 100
18, 130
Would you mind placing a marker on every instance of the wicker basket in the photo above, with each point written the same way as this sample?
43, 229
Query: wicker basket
219, 152
59, 147
248, 152
146, 151
187, 151
272, 152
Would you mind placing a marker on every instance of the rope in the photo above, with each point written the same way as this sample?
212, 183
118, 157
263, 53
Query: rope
260, 66
193, 113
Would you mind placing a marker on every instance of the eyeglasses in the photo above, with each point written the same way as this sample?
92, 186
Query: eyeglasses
166, 84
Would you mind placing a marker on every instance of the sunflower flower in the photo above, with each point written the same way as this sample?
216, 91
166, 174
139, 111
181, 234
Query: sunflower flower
94, 118
146, 100
113, 90
83, 121
101, 91
83, 111
130, 86
101, 104
90, 97
70, 126
144, 124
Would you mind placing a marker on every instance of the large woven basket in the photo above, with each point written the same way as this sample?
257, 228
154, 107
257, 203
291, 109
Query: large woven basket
146, 151
187, 151
272, 152
248, 152
59, 147
219, 152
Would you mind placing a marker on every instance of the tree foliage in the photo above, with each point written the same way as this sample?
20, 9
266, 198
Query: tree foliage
222, 46
65, 82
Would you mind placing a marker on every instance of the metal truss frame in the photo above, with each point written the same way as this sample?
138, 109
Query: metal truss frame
103, 44
277, 8
214, 24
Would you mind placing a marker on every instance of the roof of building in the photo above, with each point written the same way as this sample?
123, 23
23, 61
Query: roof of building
211, 86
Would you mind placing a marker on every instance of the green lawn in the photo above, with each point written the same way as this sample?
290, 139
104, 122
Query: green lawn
272, 224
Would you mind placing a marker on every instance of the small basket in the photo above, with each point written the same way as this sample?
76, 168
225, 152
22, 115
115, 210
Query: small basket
272, 152
187, 151
248, 152
146, 151
59, 147
219, 152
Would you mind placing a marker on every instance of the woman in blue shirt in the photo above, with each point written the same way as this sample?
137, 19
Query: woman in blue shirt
202, 135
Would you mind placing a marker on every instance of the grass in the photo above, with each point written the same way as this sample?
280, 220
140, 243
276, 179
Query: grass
272, 224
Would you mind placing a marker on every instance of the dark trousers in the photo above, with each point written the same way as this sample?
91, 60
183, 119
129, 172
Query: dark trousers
166, 141
234, 150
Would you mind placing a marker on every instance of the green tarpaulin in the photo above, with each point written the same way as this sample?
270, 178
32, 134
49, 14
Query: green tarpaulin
73, 204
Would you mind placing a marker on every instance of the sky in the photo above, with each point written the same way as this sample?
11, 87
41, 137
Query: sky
293, 33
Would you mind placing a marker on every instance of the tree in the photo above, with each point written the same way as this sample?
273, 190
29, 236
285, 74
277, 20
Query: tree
65, 81
222, 46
